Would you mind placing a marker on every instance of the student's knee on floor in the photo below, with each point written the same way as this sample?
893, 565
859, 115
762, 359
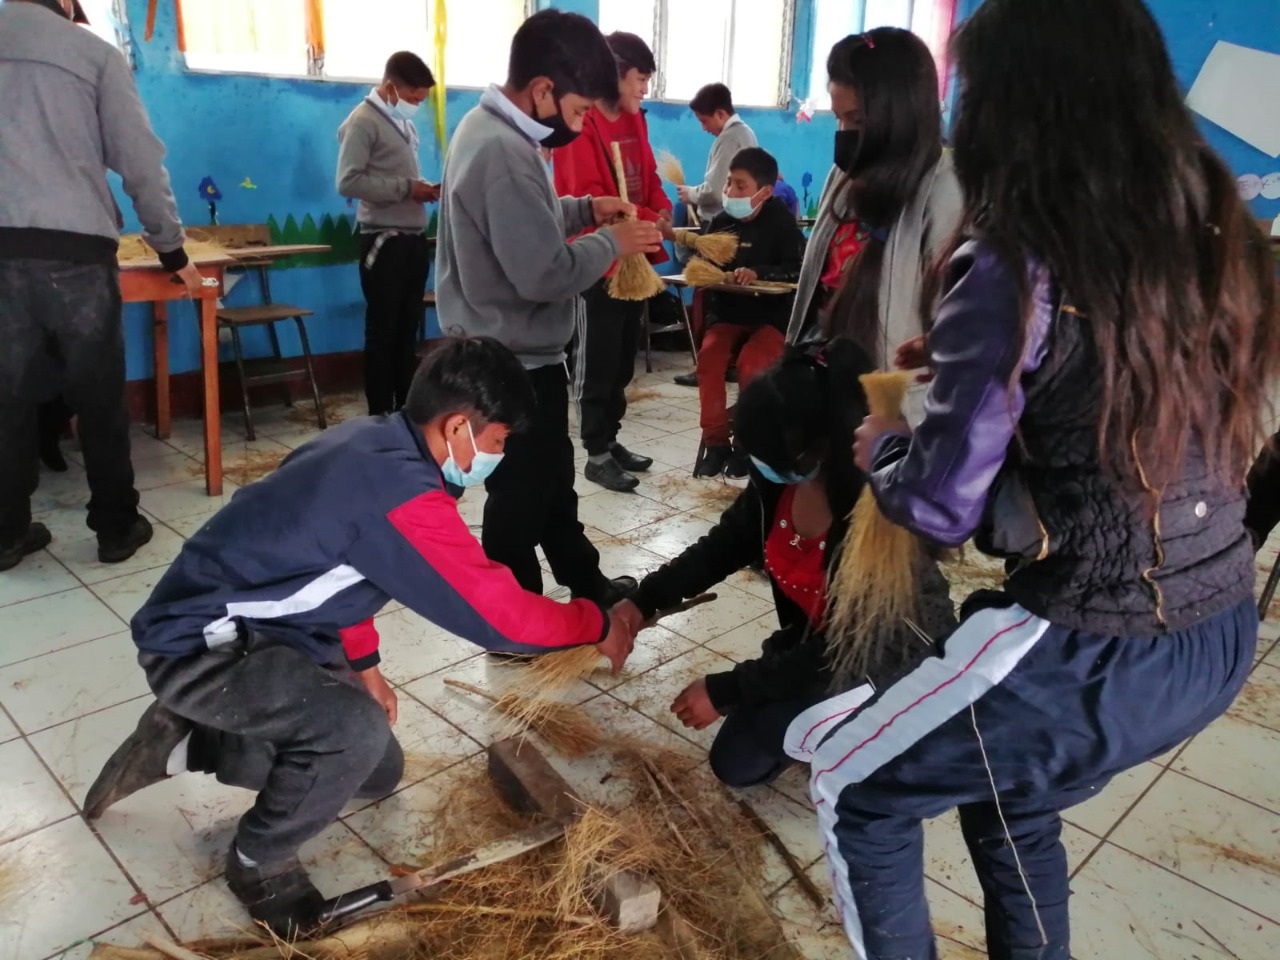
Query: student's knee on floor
737, 764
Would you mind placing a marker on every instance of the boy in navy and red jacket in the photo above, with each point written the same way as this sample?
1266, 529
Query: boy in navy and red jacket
259, 641
604, 355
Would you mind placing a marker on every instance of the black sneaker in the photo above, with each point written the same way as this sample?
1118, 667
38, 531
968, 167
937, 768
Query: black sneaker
117, 548
36, 538
611, 476
712, 461
631, 462
731, 375
738, 465
140, 761
687, 379
51, 455
278, 895
620, 588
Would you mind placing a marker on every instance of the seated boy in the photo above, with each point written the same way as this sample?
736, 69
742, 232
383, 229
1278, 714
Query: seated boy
753, 327
242, 641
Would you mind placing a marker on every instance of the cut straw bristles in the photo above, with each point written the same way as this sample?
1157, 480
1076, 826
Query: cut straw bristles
635, 279
699, 273
718, 248
565, 727
873, 590
669, 168
554, 673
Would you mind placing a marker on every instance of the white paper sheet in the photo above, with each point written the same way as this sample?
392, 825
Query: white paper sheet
1239, 90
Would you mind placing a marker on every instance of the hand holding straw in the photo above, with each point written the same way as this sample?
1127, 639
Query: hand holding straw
635, 278
719, 248
699, 273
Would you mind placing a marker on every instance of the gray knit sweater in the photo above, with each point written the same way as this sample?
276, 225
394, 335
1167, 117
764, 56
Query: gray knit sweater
504, 265
378, 165
71, 112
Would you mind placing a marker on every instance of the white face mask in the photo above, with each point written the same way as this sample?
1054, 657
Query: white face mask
404, 109
737, 207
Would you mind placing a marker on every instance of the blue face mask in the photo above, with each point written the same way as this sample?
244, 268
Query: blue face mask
737, 207
785, 479
482, 465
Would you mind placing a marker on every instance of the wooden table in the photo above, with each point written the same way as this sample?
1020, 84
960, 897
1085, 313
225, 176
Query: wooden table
145, 281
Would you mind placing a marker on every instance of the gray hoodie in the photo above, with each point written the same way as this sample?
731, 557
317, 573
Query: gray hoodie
504, 266
71, 113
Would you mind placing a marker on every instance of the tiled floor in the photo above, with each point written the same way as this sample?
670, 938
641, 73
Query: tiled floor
1179, 858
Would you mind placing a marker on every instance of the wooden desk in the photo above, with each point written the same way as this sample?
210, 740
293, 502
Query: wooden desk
145, 281
741, 289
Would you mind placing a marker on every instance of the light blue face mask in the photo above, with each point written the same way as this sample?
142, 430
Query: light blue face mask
405, 110
482, 465
737, 207
785, 479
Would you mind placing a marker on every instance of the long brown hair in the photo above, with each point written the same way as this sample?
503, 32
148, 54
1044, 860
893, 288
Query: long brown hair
896, 81
1074, 148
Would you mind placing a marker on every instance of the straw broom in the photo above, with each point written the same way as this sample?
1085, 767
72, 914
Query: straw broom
670, 170
719, 248
635, 278
873, 589
699, 273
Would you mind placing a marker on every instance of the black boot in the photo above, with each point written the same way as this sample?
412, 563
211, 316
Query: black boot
631, 462
611, 476
140, 761
117, 548
36, 538
278, 895
738, 465
712, 462
51, 455
687, 379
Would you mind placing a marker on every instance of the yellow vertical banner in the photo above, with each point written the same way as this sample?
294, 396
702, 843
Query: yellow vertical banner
315, 29
441, 24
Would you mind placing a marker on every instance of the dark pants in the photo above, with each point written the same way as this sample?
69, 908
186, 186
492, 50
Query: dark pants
1060, 713
747, 750
52, 417
308, 738
394, 313
604, 363
1263, 512
532, 501
71, 311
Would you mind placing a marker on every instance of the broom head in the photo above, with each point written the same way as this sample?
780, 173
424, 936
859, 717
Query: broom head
635, 279
699, 273
719, 248
669, 168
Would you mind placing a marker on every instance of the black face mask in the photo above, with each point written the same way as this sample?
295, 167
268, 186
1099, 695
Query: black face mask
848, 145
561, 134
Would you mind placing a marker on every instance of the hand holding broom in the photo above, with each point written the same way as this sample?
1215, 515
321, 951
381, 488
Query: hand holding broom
635, 279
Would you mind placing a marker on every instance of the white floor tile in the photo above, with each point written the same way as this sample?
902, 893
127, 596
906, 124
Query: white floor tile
1239, 757
61, 490
126, 595
35, 627
185, 500
1106, 809
747, 641
429, 742
470, 713
81, 556
7, 730
161, 471
1126, 907
413, 646
672, 537
1258, 702
32, 798
76, 751
174, 835
652, 693
1220, 842
70, 683
127, 934
38, 575
69, 890
618, 513
654, 646
731, 609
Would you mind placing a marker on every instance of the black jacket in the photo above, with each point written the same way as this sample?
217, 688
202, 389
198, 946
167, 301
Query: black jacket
772, 245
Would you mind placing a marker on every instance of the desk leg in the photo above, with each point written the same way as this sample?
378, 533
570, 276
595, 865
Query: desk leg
160, 327
212, 406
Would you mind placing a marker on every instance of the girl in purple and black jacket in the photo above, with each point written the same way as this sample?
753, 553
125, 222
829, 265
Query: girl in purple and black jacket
1101, 356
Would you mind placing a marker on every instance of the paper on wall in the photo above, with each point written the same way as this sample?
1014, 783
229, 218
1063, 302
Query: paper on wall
1239, 89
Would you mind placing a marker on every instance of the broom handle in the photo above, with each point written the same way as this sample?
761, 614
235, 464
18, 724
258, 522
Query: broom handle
618, 172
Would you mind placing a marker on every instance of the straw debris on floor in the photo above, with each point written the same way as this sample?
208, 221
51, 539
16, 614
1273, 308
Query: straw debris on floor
682, 830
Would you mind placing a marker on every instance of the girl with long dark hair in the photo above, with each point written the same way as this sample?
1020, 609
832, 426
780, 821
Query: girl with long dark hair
1102, 354
796, 422
890, 203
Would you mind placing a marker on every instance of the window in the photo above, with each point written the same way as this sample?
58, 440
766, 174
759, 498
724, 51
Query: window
743, 43
348, 39
836, 19
107, 20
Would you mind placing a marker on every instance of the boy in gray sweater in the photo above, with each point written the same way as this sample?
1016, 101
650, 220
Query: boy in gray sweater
71, 112
506, 269
378, 165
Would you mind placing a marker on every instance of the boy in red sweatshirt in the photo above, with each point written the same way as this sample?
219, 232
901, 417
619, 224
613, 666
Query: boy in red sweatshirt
604, 355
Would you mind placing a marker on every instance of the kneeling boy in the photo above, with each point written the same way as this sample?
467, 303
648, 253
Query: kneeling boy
771, 247
242, 641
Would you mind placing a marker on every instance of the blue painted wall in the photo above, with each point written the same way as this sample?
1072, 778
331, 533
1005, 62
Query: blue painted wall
282, 135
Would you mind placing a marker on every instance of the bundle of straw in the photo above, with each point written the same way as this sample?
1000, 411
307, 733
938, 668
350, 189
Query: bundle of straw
699, 273
873, 590
565, 727
719, 248
134, 249
670, 170
635, 278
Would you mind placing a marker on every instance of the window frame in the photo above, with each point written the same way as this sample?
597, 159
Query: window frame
661, 27
315, 65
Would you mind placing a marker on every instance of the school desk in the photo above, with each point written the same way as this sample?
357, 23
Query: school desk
145, 281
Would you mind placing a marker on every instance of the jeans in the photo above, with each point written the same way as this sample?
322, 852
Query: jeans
71, 311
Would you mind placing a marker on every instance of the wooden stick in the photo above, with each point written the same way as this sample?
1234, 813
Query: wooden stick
797, 869
689, 604
666, 815
619, 172
471, 689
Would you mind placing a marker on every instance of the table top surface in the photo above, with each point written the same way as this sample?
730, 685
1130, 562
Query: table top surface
231, 256
741, 289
